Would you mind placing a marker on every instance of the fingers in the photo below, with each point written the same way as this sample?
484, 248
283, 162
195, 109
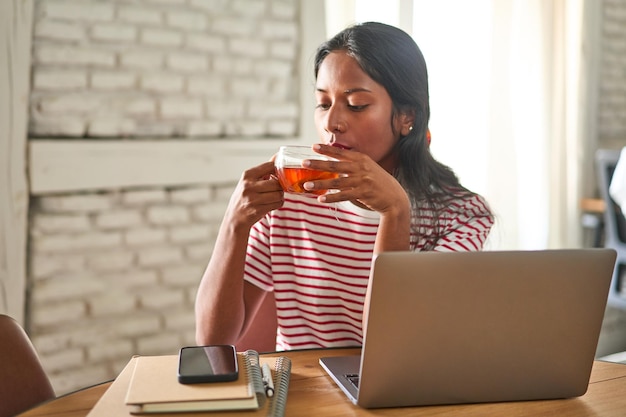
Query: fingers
257, 193
259, 172
332, 151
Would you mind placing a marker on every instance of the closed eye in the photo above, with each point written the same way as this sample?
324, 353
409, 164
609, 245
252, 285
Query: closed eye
358, 108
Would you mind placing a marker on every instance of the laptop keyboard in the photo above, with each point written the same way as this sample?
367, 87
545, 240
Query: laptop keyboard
354, 379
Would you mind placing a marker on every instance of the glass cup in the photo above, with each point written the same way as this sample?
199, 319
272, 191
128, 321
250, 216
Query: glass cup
292, 175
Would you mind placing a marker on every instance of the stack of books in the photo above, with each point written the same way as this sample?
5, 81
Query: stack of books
149, 384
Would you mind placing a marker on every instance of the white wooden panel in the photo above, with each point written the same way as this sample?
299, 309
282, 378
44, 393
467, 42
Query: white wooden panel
67, 165
15, 40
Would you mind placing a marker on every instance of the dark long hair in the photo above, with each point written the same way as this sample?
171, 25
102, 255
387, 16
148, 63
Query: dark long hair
393, 59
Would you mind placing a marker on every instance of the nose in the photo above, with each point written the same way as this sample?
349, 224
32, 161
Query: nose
334, 122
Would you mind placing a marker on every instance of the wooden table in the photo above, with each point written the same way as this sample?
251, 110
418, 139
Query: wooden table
312, 392
592, 205
592, 217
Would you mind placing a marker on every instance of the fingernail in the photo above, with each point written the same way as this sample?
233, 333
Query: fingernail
308, 185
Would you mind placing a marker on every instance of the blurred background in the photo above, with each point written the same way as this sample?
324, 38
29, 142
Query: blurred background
125, 125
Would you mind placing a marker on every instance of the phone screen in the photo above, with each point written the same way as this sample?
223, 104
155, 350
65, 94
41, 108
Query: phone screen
214, 363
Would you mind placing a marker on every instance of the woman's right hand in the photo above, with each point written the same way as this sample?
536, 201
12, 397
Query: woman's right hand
257, 193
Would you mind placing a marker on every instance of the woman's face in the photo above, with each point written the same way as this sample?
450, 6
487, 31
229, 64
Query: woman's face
354, 112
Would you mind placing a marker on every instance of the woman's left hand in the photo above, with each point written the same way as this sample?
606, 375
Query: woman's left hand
360, 180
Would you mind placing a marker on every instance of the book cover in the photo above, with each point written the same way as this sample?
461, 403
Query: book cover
154, 388
113, 401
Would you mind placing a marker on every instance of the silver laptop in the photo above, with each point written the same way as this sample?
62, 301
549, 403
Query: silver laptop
453, 328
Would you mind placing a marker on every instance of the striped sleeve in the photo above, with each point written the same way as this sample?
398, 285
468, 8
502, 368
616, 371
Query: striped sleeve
467, 227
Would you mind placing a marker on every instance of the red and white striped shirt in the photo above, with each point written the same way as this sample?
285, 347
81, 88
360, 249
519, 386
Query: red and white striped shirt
316, 258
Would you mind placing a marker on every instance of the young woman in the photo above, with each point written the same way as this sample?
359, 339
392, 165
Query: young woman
299, 264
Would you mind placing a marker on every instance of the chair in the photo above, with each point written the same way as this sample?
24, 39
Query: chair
23, 382
614, 224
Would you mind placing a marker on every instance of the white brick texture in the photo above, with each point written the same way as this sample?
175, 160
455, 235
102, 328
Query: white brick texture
107, 270
87, 54
59, 79
612, 88
77, 10
112, 80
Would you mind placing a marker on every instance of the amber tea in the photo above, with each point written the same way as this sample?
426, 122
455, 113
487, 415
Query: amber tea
292, 175
292, 179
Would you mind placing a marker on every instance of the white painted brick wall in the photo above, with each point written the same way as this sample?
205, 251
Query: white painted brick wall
203, 129
76, 203
168, 215
187, 62
112, 80
64, 242
115, 260
200, 252
65, 359
140, 14
145, 236
138, 325
193, 233
113, 274
112, 303
46, 54
181, 107
58, 314
59, 79
141, 59
120, 219
52, 264
191, 21
56, 125
77, 10
182, 276
115, 32
114, 68
144, 197
60, 222
206, 43
110, 127
161, 256
158, 344
612, 88
161, 82
206, 85
141, 107
69, 287
161, 37
133, 279
81, 377
99, 353
59, 30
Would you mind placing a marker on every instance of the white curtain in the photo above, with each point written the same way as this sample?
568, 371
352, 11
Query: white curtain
508, 112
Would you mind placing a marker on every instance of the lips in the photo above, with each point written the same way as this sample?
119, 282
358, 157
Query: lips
339, 145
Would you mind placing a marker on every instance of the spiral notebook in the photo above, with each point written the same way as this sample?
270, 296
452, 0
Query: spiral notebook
155, 389
450, 328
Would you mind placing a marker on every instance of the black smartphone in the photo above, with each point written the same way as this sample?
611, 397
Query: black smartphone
215, 363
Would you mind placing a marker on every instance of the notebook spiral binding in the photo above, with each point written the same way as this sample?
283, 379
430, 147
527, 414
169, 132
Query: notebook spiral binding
253, 369
282, 374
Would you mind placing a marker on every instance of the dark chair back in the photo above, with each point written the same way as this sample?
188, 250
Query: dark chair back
23, 381
614, 225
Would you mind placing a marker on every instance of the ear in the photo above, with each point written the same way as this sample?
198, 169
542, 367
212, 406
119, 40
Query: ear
405, 121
